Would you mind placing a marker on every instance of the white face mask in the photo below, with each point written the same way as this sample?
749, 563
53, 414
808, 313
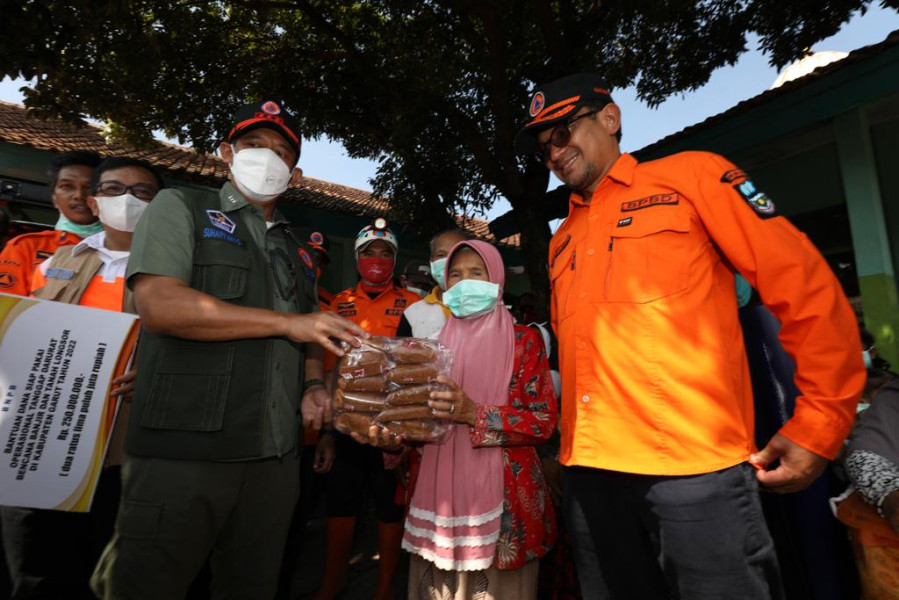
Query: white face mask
260, 173
121, 212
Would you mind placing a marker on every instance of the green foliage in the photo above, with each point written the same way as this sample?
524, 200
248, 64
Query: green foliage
433, 89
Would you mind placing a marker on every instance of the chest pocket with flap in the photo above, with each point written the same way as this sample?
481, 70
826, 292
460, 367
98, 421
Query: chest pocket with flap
648, 259
221, 269
561, 263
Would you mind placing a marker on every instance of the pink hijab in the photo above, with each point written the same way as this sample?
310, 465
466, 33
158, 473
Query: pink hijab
454, 518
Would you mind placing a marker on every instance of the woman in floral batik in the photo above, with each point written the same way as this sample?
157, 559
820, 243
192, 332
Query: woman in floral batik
480, 514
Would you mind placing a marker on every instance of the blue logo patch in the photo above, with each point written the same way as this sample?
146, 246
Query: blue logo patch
60, 273
221, 220
210, 233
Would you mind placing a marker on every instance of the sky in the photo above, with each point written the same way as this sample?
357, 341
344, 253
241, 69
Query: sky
642, 125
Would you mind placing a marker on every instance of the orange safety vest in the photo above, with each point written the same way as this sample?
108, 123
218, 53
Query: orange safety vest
24, 253
654, 372
378, 316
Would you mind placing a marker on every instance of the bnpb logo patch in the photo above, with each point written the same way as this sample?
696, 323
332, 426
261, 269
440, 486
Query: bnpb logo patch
317, 238
271, 108
537, 104
307, 260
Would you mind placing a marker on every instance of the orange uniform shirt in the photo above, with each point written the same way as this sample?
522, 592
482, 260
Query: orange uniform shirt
654, 372
24, 253
378, 316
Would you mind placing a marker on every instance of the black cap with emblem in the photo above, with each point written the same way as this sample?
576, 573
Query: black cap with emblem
270, 115
558, 100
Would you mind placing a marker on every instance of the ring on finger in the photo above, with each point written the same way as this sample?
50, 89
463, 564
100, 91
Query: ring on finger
452, 408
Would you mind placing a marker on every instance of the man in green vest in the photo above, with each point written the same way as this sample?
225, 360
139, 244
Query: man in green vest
231, 341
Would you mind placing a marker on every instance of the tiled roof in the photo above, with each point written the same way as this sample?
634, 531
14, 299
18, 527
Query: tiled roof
18, 128
854, 57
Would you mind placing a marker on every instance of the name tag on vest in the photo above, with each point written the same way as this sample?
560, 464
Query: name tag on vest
60, 274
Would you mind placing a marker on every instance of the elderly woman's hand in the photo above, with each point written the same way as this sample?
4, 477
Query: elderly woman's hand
453, 404
380, 437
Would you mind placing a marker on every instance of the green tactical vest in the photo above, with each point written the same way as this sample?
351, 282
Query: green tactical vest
207, 400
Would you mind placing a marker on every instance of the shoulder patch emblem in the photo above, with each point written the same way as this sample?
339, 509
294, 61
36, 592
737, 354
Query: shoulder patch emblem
7, 280
656, 200
757, 200
307, 260
221, 220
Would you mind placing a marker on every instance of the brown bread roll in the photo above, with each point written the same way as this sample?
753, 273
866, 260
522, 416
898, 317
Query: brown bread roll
364, 384
413, 351
364, 356
358, 422
404, 413
406, 374
412, 430
366, 370
413, 394
359, 401
378, 342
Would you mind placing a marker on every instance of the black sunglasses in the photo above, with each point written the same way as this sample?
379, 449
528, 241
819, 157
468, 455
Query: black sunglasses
142, 191
560, 136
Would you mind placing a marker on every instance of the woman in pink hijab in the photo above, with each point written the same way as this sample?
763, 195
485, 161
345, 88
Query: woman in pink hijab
480, 514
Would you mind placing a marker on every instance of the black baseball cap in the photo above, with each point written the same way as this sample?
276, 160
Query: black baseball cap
268, 114
419, 272
556, 101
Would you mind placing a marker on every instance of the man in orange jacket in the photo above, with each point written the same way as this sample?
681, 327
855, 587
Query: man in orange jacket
657, 411
70, 174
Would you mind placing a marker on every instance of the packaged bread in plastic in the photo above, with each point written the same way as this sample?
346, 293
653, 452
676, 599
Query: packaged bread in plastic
388, 382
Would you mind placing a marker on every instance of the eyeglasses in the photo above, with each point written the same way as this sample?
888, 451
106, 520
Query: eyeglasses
116, 188
560, 136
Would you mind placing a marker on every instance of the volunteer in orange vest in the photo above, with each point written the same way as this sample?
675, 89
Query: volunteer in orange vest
52, 553
70, 174
375, 304
657, 414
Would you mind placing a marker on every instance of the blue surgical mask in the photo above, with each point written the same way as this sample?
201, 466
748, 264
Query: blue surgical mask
744, 291
471, 297
866, 356
438, 271
83, 231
